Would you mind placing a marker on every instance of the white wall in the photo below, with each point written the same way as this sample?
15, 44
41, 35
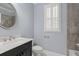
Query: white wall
24, 22
55, 41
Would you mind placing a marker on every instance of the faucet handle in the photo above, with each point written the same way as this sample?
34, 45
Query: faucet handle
11, 38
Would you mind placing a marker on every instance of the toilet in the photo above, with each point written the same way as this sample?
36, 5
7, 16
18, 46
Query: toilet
37, 51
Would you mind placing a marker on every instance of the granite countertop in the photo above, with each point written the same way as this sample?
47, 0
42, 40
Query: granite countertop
12, 44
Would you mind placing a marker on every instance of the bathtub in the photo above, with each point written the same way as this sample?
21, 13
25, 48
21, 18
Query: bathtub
73, 53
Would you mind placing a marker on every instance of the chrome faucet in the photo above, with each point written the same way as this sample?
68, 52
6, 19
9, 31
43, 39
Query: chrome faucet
11, 38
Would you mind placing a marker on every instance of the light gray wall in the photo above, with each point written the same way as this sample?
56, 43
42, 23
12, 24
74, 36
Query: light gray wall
54, 41
24, 21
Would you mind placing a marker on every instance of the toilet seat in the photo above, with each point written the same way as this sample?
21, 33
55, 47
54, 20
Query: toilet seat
37, 48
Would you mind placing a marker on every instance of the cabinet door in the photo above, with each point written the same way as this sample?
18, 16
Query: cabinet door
25, 49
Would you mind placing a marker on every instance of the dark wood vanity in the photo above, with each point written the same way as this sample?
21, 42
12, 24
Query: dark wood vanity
22, 50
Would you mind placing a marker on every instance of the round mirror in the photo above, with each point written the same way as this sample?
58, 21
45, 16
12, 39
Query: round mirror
7, 21
7, 15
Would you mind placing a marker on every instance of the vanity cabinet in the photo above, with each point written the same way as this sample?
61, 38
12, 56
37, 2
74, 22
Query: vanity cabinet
22, 50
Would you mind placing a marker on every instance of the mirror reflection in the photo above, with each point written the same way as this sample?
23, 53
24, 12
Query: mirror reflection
7, 15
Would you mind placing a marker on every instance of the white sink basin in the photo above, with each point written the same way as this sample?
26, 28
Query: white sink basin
1, 43
10, 41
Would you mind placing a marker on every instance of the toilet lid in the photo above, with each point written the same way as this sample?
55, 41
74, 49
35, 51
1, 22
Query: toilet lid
37, 48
